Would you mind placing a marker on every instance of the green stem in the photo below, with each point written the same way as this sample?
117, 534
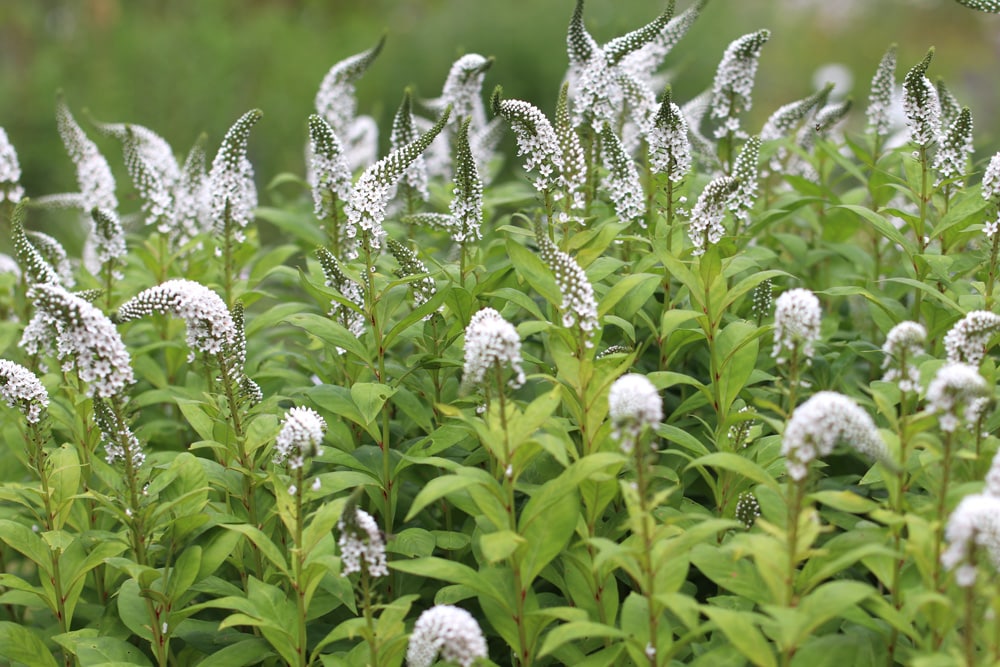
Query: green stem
298, 564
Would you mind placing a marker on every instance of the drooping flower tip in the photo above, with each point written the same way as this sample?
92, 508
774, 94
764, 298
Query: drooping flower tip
797, 317
361, 544
819, 424
301, 437
84, 338
21, 389
706, 226
734, 78
449, 631
210, 326
232, 189
491, 342
579, 305
634, 404
10, 171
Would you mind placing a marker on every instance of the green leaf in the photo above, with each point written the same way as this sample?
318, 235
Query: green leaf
883, 226
102, 650
575, 631
268, 548
737, 464
330, 332
450, 571
499, 545
370, 397
247, 652
532, 269
200, 421
301, 225
637, 285
739, 628
19, 644
439, 487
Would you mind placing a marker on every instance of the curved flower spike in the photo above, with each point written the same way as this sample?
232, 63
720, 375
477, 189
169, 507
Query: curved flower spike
233, 193
21, 389
335, 100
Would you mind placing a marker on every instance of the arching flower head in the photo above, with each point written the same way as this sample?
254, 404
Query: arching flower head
669, 145
210, 327
328, 173
536, 140
621, 179
449, 631
952, 157
93, 175
823, 421
85, 339
335, 100
991, 193
734, 80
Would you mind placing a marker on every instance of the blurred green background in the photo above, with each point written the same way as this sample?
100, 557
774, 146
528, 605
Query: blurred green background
182, 67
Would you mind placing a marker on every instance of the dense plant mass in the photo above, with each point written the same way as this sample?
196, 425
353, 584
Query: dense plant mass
677, 392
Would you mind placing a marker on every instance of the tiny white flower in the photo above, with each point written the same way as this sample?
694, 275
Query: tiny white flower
361, 544
633, 404
797, 317
491, 341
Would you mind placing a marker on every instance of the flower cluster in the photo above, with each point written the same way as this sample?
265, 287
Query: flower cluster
300, 437
153, 168
669, 146
974, 523
574, 160
35, 266
782, 122
335, 100
85, 339
966, 341
950, 161
370, 195
210, 327
634, 404
449, 631
739, 433
706, 217
733, 81
10, 171
991, 6
351, 318
120, 443
108, 238
642, 63
463, 89
21, 389
490, 342
231, 186
745, 172
361, 543
823, 421
882, 94
536, 140
600, 84
410, 265
954, 387
93, 175
466, 206
797, 319
904, 342
579, 305
621, 180
991, 193
921, 104
762, 299
747, 509
404, 131
328, 174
